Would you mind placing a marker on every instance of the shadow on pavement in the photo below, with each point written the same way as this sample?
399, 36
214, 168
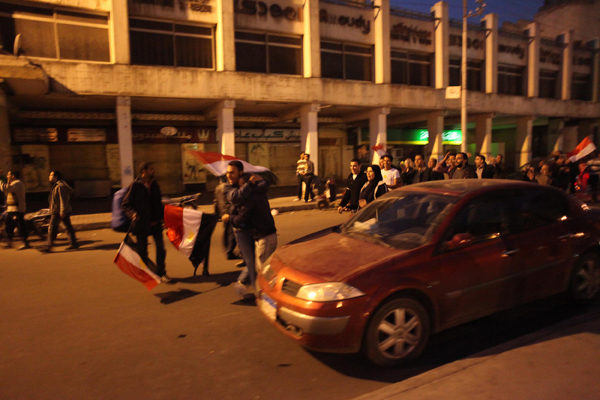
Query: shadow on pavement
176, 295
224, 279
465, 340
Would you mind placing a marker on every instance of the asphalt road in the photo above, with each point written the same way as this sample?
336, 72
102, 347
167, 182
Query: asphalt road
73, 326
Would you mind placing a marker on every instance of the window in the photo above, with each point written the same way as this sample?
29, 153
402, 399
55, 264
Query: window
474, 74
346, 61
510, 80
267, 53
170, 44
486, 217
538, 208
55, 34
411, 69
548, 82
581, 87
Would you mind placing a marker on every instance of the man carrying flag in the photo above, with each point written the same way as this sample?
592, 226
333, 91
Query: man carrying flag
143, 206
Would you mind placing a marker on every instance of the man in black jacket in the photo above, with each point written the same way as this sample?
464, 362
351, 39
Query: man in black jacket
482, 169
356, 181
143, 205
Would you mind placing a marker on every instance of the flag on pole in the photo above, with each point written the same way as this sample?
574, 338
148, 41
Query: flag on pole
130, 262
379, 149
216, 163
190, 232
586, 147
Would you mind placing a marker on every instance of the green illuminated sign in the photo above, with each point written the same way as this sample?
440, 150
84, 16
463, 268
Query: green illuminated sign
415, 136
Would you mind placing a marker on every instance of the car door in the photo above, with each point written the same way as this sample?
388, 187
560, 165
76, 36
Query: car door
542, 244
475, 274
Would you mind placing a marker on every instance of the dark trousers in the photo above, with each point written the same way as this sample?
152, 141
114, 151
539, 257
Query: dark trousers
55, 220
10, 225
142, 247
308, 180
593, 182
229, 239
300, 182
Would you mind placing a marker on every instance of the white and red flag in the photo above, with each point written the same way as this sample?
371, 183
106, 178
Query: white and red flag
190, 232
129, 261
585, 148
216, 163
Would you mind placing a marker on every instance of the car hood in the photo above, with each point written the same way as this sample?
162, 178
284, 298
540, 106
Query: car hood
334, 257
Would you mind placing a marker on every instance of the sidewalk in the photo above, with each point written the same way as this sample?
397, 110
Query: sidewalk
558, 362
86, 222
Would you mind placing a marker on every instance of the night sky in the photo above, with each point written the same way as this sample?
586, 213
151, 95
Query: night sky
507, 10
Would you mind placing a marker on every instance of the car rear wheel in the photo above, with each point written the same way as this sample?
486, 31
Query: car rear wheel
585, 281
398, 332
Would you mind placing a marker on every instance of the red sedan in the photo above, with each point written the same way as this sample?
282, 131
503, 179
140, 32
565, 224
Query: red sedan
427, 257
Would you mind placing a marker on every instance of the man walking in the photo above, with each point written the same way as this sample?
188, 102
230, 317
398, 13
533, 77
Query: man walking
300, 171
463, 169
143, 205
356, 180
309, 175
14, 190
222, 206
60, 209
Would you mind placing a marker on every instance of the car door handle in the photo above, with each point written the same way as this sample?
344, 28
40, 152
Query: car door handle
509, 253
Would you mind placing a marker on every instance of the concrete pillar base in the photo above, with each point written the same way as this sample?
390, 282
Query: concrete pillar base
225, 127
378, 132
125, 140
309, 128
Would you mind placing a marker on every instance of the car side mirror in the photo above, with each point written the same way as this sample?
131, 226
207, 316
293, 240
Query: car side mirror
459, 241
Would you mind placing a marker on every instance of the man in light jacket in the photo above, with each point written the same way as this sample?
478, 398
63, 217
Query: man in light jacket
60, 210
14, 190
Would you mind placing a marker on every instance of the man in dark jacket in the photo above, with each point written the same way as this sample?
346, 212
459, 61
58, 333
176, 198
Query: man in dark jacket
423, 173
143, 205
59, 202
463, 169
482, 169
356, 180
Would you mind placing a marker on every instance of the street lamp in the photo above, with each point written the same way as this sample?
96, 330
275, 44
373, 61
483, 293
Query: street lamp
463, 91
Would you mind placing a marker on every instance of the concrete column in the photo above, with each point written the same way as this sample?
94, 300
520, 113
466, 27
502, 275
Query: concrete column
533, 64
225, 36
435, 126
381, 30
119, 33
567, 67
524, 135
125, 140
555, 134
441, 43
5, 147
596, 71
309, 129
225, 127
311, 46
483, 135
491, 53
378, 131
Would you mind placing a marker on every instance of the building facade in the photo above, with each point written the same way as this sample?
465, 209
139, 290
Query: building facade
93, 87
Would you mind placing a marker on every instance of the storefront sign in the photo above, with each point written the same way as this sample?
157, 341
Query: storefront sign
415, 136
512, 49
410, 33
550, 56
171, 134
184, 5
262, 9
86, 135
456, 41
33, 135
360, 23
267, 135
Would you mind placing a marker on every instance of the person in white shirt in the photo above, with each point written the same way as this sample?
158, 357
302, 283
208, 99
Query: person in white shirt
391, 176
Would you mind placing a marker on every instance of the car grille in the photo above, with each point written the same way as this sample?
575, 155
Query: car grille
290, 288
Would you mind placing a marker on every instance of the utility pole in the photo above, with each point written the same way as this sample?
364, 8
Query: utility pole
463, 91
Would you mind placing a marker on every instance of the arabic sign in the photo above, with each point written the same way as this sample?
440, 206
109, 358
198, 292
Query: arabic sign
267, 135
171, 134
35, 135
416, 136
86, 135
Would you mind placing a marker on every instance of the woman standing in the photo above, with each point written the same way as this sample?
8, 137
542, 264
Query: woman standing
374, 187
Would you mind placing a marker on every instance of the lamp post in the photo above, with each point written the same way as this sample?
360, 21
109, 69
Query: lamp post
463, 91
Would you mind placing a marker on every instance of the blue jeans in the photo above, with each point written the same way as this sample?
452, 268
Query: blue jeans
246, 244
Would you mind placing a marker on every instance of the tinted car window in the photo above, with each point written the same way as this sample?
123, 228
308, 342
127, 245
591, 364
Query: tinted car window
485, 217
539, 207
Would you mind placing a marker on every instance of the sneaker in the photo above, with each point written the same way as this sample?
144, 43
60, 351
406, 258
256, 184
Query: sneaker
25, 246
73, 247
165, 279
241, 264
240, 289
298, 199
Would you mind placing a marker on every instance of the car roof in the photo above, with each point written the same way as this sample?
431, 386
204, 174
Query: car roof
461, 187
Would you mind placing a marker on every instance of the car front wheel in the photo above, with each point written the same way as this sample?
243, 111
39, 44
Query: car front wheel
398, 332
585, 281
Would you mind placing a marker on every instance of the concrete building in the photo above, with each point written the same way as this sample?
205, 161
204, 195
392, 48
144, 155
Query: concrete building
93, 87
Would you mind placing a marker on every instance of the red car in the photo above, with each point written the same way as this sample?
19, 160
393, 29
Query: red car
427, 257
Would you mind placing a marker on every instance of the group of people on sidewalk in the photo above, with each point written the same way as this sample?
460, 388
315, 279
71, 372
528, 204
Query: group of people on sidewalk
59, 201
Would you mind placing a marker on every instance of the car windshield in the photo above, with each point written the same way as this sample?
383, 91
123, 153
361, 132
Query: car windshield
401, 219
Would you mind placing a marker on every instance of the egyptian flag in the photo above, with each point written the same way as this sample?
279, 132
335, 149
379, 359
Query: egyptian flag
585, 148
129, 261
216, 164
190, 231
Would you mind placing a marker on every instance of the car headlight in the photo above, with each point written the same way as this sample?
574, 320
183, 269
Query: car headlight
331, 291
